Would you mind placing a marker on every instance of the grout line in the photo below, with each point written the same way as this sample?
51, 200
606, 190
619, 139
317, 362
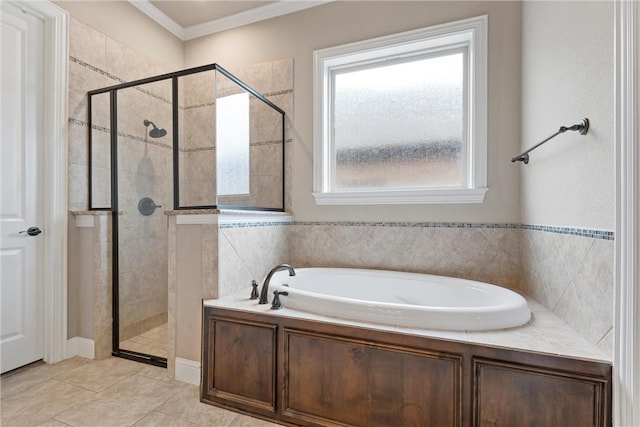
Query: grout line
604, 336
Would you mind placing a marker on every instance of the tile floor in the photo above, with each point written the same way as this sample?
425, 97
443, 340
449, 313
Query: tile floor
153, 342
109, 392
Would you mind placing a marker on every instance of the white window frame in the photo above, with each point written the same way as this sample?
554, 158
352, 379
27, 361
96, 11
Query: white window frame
470, 34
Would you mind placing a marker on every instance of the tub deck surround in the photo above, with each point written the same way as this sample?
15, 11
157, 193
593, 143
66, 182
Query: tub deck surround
302, 369
544, 333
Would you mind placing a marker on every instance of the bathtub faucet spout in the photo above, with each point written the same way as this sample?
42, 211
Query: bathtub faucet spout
264, 299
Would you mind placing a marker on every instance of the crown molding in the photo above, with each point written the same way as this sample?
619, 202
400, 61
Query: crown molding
279, 8
146, 7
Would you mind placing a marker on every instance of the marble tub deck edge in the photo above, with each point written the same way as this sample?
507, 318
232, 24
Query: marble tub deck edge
544, 333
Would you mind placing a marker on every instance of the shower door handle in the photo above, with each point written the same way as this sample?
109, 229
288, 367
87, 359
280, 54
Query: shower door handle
31, 231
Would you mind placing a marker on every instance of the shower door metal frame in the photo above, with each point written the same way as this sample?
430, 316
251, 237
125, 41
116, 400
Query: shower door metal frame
113, 123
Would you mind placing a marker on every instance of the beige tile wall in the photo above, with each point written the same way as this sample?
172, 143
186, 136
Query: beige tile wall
210, 260
144, 166
484, 254
273, 79
573, 276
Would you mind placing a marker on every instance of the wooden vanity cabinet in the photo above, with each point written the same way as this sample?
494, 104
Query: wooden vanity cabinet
300, 372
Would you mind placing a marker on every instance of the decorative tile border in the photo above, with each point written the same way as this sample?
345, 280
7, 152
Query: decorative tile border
193, 107
96, 69
407, 224
121, 134
213, 147
253, 224
278, 92
197, 149
118, 79
581, 232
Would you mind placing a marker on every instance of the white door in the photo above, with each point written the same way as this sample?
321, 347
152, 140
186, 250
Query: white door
21, 91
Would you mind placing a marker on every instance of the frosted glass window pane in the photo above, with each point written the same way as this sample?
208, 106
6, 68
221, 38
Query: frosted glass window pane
232, 140
400, 125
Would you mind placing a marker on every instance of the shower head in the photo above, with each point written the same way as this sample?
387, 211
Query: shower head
155, 132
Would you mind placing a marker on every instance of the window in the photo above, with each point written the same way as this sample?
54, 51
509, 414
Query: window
232, 139
402, 119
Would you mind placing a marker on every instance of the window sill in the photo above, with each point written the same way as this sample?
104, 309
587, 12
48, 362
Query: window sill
402, 197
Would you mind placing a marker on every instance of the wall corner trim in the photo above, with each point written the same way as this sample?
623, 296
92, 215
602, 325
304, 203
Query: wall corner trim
188, 371
626, 381
78, 346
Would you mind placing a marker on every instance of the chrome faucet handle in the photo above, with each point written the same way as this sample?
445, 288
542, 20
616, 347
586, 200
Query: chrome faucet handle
254, 290
277, 304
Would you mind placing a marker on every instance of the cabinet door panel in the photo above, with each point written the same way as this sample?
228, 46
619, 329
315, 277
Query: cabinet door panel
242, 362
510, 394
334, 380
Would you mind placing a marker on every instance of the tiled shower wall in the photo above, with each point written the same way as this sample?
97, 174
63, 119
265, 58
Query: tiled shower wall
144, 166
274, 80
197, 143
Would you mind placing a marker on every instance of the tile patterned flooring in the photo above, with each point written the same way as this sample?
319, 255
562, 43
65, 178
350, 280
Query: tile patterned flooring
109, 392
153, 342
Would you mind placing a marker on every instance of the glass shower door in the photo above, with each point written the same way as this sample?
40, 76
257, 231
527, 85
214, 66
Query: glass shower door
145, 182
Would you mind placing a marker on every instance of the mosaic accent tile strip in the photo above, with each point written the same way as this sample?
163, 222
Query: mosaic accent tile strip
118, 79
122, 134
193, 107
213, 147
407, 224
96, 69
254, 224
183, 150
263, 143
198, 149
581, 232
279, 92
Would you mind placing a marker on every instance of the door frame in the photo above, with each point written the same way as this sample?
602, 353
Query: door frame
626, 362
55, 85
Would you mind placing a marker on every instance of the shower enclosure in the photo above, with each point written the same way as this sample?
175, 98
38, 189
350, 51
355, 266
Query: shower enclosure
194, 139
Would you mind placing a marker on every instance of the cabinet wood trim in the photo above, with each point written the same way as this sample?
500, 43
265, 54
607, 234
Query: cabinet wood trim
567, 380
361, 355
210, 390
523, 369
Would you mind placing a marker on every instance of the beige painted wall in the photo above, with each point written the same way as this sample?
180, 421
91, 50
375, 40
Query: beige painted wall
126, 24
568, 59
298, 35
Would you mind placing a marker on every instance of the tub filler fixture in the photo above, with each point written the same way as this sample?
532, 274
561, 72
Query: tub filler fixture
401, 299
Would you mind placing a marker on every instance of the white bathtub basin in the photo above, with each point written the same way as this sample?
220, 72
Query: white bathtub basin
402, 299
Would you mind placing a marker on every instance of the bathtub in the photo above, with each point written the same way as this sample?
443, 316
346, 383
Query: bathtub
402, 299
